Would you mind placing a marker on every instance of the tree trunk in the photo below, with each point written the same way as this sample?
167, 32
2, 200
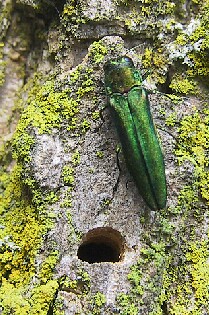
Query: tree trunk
77, 236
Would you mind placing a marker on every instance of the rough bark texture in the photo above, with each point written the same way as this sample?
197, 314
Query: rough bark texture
76, 236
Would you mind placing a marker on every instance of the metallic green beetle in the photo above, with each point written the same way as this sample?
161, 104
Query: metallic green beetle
141, 148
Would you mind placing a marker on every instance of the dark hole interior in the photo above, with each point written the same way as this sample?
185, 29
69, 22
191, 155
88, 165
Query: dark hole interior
101, 245
165, 87
164, 308
97, 252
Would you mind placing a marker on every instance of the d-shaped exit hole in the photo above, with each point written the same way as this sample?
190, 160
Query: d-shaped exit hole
102, 244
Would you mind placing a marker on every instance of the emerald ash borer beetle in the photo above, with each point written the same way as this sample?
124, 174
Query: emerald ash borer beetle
131, 112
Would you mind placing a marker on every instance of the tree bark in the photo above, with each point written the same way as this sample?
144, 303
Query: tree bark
76, 235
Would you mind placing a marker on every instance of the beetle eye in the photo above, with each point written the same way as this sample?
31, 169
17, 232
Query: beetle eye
128, 61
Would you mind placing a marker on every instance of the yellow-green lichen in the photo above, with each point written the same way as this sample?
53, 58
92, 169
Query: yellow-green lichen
80, 285
83, 84
155, 60
71, 17
67, 174
146, 280
96, 115
97, 302
184, 85
22, 229
70, 223
67, 201
24, 219
74, 235
20, 222
190, 48
45, 109
144, 15
85, 125
171, 120
14, 301
100, 154
173, 270
2, 65
186, 47
187, 283
5, 16
69, 9
97, 51
193, 142
76, 158
86, 86
126, 304
42, 296
47, 267
191, 281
